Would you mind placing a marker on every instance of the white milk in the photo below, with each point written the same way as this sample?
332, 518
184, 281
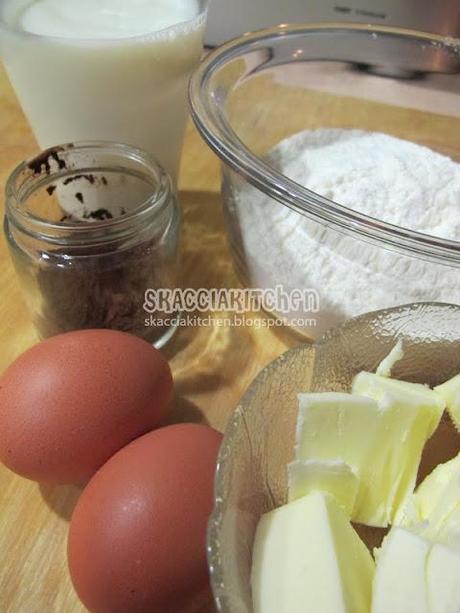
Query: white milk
104, 69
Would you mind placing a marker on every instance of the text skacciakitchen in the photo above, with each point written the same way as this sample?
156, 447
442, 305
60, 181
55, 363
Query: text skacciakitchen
236, 300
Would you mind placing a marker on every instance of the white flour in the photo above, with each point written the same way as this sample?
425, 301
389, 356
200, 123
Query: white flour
387, 178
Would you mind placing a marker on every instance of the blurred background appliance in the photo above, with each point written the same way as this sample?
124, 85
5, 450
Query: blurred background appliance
230, 18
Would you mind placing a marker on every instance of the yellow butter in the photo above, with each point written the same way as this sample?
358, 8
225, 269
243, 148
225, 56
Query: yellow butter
449, 532
333, 426
408, 394
308, 557
434, 502
416, 575
381, 438
399, 583
450, 393
411, 412
386, 365
443, 579
331, 476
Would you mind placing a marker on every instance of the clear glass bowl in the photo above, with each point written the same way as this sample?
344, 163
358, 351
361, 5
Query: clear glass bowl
255, 91
259, 440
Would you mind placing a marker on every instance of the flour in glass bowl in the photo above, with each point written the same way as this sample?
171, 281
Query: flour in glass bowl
387, 178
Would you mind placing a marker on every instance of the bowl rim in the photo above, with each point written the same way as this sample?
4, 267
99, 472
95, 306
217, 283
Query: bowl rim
221, 138
213, 549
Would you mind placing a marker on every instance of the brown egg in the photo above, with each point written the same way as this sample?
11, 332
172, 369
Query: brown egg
137, 539
70, 402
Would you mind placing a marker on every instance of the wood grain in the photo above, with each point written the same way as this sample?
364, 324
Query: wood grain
212, 367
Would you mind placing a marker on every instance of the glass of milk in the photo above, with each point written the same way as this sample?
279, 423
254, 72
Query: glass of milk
112, 70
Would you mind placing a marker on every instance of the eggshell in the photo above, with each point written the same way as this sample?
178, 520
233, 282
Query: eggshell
70, 402
137, 539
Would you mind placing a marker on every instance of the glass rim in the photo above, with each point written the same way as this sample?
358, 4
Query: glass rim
217, 132
6, 27
39, 227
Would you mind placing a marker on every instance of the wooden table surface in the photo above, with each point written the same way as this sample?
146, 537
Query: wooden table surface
212, 366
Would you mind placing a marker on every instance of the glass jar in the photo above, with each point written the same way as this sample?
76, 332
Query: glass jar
90, 227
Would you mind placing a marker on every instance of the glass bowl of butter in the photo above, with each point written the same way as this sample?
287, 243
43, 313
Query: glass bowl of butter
418, 343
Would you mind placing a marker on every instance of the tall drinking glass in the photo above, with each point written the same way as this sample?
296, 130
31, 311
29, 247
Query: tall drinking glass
109, 70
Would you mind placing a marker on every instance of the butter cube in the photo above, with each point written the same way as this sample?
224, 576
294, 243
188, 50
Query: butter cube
399, 583
443, 579
434, 501
308, 557
450, 393
408, 394
333, 426
449, 532
386, 365
331, 476
416, 575
381, 438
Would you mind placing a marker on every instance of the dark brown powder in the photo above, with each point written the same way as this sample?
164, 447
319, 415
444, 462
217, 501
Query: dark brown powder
94, 290
93, 287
